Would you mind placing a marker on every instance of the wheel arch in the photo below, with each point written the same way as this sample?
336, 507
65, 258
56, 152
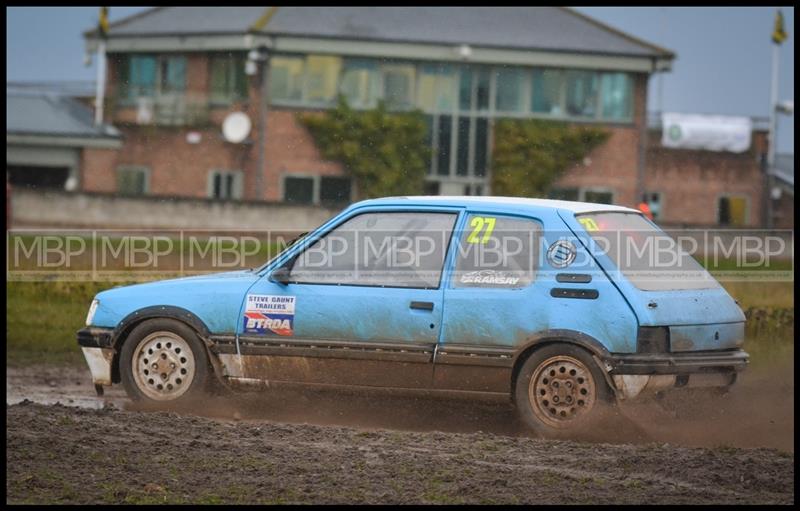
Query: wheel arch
135, 318
559, 336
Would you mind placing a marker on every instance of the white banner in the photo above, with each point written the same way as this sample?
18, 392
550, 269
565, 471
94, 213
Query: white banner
709, 132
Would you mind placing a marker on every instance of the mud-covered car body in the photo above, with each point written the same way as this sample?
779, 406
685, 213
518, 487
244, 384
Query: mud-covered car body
459, 328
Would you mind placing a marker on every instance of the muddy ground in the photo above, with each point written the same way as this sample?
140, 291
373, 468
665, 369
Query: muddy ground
293, 447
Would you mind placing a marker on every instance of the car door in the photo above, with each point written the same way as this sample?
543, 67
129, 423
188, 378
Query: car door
362, 304
490, 301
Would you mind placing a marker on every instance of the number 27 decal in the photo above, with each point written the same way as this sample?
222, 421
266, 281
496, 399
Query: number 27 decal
477, 223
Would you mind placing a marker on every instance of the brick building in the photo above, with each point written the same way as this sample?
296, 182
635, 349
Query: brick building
174, 74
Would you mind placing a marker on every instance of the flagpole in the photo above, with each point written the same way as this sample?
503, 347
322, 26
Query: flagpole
773, 120
100, 91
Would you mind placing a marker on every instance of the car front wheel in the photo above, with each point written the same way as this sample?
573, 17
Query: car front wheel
163, 360
560, 389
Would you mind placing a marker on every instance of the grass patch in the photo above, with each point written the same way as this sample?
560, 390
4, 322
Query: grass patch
761, 294
43, 317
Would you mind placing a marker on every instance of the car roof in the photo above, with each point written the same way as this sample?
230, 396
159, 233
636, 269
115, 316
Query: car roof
508, 203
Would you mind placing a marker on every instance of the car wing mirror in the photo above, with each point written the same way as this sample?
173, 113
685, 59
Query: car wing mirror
281, 275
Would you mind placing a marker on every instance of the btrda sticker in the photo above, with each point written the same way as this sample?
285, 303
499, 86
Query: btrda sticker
269, 314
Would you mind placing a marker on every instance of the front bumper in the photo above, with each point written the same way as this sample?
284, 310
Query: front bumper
96, 344
635, 374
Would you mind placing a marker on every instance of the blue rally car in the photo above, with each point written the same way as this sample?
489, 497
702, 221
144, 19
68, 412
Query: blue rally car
560, 307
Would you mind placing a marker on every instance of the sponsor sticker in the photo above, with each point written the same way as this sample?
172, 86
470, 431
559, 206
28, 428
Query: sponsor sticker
561, 254
269, 314
489, 277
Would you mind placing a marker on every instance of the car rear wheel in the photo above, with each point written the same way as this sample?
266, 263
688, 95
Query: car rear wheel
164, 360
560, 389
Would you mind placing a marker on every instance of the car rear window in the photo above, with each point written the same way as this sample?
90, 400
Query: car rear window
647, 256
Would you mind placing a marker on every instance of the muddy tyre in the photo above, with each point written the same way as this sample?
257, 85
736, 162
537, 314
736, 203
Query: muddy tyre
561, 390
164, 360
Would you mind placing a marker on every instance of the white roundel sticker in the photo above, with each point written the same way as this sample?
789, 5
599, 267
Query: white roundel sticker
561, 254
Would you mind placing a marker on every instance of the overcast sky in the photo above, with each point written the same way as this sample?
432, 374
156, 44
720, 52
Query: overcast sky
723, 65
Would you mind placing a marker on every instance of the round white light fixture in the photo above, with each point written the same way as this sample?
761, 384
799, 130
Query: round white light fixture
236, 127
776, 192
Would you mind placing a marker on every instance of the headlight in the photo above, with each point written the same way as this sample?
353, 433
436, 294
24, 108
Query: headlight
92, 309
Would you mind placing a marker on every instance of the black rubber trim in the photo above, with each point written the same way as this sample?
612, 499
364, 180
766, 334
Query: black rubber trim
587, 294
95, 337
463, 354
678, 363
575, 278
398, 352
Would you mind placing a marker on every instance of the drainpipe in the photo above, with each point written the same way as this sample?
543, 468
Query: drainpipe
262, 132
260, 56
640, 170
100, 91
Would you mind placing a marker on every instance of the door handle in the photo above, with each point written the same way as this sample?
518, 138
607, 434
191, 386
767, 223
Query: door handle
425, 306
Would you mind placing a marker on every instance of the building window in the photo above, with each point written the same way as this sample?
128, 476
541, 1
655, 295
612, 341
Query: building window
173, 75
581, 93
444, 143
547, 97
570, 194
398, 85
616, 97
298, 190
322, 73
132, 180
150, 76
508, 90
438, 88
225, 184
286, 78
359, 83
732, 211
595, 195
598, 196
334, 190
326, 190
138, 76
228, 80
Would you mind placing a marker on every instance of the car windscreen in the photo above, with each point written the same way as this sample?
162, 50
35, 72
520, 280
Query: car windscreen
647, 256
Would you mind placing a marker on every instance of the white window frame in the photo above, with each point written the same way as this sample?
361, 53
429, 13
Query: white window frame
236, 193
136, 168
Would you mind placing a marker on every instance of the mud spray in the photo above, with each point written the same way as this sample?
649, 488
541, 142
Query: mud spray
757, 412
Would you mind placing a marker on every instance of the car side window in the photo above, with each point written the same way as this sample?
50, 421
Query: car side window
497, 252
394, 249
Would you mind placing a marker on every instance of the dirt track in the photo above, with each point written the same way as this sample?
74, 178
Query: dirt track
63, 454
256, 449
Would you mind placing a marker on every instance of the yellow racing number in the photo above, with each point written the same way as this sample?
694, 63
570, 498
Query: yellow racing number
589, 224
477, 223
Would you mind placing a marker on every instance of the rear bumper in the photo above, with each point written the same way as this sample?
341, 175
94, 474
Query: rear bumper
678, 363
637, 374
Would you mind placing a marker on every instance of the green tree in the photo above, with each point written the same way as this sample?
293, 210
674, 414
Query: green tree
385, 152
530, 154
